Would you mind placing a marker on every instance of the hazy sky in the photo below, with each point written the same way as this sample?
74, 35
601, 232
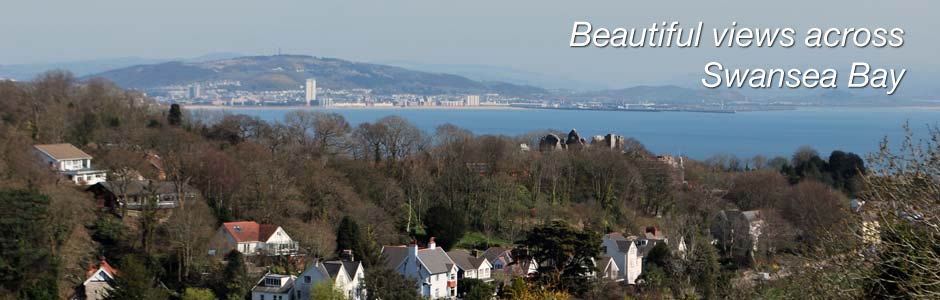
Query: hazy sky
523, 35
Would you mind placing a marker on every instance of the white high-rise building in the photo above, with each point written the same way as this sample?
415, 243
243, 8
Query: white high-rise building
311, 94
195, 91
472, 100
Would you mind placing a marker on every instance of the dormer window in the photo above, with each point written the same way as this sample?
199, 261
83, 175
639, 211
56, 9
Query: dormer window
237, 228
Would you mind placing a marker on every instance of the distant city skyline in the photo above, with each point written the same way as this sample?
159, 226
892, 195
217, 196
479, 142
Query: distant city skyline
528, 36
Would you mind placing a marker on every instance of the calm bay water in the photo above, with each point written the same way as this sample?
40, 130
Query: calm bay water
698, 135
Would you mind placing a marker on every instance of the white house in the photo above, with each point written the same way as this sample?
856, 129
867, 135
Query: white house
471, 266
435, 271
625, 255
607, 269
71, 162
98, 282
274, 287
346, 275
251, 238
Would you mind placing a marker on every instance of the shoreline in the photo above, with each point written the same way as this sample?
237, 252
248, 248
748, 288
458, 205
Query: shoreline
492, 108
302, 107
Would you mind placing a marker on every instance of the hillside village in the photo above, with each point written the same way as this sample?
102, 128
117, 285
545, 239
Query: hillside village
436, 271
120, 197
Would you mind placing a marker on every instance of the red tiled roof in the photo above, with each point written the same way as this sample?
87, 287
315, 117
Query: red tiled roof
103, 264
249, 231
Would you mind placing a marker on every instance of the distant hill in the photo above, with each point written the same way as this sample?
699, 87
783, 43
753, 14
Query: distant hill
659, 94
24, 72
291, 71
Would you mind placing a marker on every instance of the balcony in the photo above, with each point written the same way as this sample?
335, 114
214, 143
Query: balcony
291, 248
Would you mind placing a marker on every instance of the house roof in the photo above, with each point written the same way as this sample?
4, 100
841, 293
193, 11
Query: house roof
751, 215
284, 289
333, 268
352, 267
605, 262
394, 255
249, 231
464, 260
624, 245
102, 265
143, 187
62, 151
434, 260
493, 253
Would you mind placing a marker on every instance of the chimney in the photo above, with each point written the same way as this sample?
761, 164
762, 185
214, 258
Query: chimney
652, 230
413, 249
348, 255
431, 244
475, 253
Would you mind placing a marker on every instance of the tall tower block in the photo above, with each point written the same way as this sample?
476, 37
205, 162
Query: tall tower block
311, 93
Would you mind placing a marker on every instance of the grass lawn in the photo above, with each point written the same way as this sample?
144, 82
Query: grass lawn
475, 238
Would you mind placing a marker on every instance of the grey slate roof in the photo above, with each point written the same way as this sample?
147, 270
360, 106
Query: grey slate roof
464, 260
333, 268
493, 253
624, 245
394, 255
351, 267
436, 260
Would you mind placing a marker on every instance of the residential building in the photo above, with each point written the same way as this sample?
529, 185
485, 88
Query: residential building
503, 263
737, 232
274, 287
97, 283
71, 162
471, 266
133, 194
435, 272
607, 269
251, 238
625, 255
347, 275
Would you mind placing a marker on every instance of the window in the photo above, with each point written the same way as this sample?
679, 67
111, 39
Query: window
306, 279
261, 297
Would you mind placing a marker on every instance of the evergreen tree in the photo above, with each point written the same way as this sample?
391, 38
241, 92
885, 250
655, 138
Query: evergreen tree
175, 116
234, 281
707, 269
445, 224
385, 284
564, 253
24, 246
348, 237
